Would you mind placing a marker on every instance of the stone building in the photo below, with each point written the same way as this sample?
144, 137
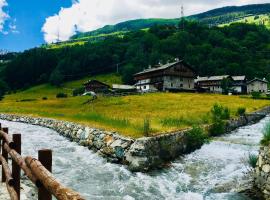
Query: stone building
211, 83
176, 76
257, 85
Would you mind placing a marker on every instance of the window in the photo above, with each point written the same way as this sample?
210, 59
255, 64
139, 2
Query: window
171, 84
181, 85
144, 87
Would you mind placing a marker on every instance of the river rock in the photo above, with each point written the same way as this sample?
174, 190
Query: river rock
266, 168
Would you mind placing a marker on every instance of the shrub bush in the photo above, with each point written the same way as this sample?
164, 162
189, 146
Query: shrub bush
44, 98
256, 95
226, 113
266, 135
217, 128
61, 95
241, 111
218, 114
78, 91
196, 137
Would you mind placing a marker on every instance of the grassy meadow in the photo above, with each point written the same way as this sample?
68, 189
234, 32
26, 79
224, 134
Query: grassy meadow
252, 20
166, 111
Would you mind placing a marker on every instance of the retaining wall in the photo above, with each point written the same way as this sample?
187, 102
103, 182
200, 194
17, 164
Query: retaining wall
140, 155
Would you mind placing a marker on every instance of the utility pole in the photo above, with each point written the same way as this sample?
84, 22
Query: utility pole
58, 31
182, 22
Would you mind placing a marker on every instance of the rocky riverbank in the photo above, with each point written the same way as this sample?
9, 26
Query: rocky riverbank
141, 154
262, 172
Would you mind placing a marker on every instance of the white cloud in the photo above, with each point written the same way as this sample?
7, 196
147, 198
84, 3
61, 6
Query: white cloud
87, 15
3, 15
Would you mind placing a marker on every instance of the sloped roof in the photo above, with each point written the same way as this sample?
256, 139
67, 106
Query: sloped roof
211, 78
123, 87
239, 78
163, 67
257, 79
95, 81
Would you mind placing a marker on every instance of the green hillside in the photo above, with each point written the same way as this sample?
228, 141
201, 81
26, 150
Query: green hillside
254, 19
216, 17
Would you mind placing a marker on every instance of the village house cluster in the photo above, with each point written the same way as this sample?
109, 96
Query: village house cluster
180, 76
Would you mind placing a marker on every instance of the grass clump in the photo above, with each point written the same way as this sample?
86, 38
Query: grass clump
177, 122
241, 111
196, 137
146, 127
96, 117
266, 135
252, 160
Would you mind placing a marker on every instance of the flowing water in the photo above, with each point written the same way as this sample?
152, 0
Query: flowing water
214, 172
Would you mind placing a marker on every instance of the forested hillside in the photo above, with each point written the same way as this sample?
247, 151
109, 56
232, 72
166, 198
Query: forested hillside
235, 49
231, 13
213, 18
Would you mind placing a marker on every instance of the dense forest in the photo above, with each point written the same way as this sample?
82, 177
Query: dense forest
236, 49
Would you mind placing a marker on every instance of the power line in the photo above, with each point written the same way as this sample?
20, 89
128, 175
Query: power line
111, 67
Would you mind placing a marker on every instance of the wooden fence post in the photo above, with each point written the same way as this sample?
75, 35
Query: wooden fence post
0, 140
5, 155
45, 157
16, 170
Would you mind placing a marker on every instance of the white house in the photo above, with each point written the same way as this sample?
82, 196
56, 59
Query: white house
257, 85
176, 76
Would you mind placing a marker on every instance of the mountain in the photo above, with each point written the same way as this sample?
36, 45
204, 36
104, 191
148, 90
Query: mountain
231, 13
213, 18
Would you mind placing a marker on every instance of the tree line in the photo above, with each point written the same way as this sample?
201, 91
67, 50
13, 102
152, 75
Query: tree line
238, 49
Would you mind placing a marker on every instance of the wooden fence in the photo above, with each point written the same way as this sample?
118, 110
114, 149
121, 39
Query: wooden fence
38, 171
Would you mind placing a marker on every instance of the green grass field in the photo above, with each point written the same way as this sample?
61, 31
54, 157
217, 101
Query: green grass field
84, 40
166, 111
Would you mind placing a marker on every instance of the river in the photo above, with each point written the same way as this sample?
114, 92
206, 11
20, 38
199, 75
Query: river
211, 173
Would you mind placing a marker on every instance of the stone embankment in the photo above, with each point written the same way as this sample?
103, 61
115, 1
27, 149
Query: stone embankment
262, 172
141, 154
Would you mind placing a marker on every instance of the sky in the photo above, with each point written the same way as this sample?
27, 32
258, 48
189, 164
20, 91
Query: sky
26, 24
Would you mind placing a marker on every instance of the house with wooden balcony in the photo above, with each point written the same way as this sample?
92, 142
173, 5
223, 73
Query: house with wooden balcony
176, 76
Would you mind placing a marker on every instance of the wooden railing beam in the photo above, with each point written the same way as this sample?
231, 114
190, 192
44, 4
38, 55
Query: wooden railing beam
9, 179
7, 139
49, 182
4, 154
20, 161
39, 172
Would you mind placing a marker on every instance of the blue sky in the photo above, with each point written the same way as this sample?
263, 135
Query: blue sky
29, 23
28, 16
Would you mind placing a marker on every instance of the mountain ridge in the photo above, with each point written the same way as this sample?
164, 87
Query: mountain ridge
212, 17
